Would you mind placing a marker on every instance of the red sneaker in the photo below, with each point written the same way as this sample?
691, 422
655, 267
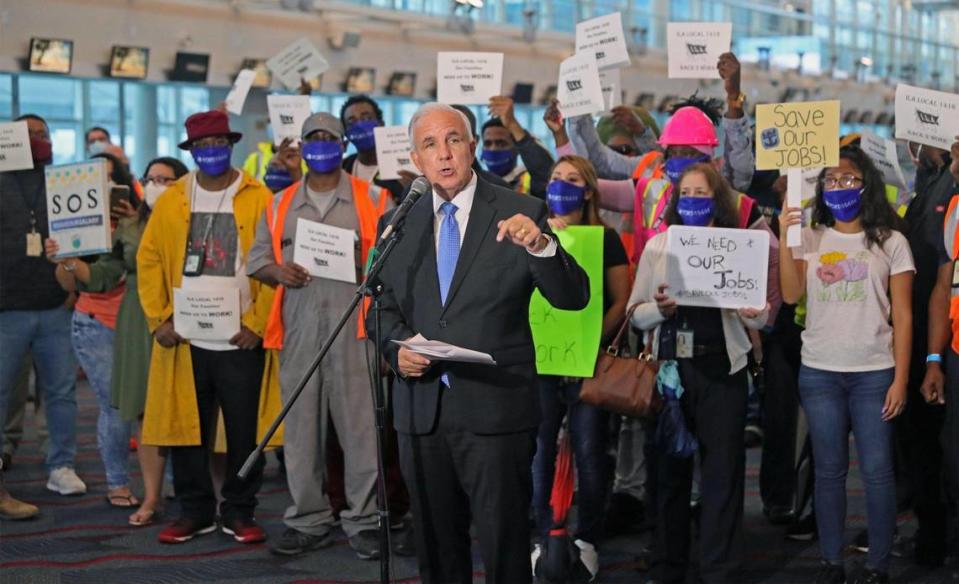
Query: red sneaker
244, 530
183, 530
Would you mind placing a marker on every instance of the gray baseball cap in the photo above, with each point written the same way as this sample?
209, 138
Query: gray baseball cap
322, 121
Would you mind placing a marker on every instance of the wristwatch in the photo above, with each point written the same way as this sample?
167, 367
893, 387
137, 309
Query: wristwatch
739, 100
69, 266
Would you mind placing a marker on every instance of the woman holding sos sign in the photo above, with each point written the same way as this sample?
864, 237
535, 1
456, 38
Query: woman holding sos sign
852, 260
709, 347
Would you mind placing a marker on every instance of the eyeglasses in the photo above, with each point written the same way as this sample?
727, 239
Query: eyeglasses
846, 181
158, 180
211, 141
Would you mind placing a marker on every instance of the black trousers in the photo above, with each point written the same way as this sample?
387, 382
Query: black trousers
777, 472
454, 477
230, 380
950, 447
714, 404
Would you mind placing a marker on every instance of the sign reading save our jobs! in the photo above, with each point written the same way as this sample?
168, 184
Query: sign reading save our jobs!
797, 135
716, 267
78, 207
567, 341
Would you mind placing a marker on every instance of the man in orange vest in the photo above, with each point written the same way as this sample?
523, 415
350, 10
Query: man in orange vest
304, 312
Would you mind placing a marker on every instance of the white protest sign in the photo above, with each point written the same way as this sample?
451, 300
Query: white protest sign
579, 90
603, 37
393, 151
15, 151
468, 78
794, 198
206, 315
612, 85
78, 207
241, 87
325, 251
287, 114
300, 60
925, 116
694, 48
718, 268
884, 155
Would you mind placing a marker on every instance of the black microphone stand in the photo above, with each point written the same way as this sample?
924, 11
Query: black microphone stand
371, 287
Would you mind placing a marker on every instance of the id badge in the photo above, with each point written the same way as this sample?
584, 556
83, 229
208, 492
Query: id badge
684, 344
34, 245
955, 274
193, 265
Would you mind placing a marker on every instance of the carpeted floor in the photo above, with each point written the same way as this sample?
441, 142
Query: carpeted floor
82, 539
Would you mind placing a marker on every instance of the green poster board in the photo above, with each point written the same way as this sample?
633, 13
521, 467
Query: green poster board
567, 341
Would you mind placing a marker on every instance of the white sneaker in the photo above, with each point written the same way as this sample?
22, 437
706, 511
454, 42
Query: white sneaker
589, 557
65, 481
534, 557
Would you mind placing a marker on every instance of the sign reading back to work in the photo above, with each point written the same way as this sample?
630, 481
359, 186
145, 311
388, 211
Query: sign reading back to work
716, 267
78, 207
567, 341
926, 116
797, 135
694, 48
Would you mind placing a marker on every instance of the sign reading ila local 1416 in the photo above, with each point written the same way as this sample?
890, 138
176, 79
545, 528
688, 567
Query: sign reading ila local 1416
78, 207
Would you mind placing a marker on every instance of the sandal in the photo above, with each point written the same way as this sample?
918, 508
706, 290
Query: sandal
142, 518
122, 500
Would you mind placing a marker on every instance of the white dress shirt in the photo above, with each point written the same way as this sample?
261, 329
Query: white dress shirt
464, 204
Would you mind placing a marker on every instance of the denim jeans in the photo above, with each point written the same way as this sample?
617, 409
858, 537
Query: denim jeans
93, 345
587, 425
46, 334
835, 402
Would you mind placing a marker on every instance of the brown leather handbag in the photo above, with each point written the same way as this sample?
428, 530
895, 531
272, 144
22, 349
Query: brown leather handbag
623, 384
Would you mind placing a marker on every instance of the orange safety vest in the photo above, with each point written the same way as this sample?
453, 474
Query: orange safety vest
951, 239
367, 215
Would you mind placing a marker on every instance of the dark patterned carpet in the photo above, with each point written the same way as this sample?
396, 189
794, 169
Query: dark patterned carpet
83, 540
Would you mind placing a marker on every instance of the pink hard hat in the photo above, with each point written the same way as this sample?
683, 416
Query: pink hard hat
689, 126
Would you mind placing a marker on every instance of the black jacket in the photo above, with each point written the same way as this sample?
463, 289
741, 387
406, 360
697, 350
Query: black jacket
26, 283
487, 309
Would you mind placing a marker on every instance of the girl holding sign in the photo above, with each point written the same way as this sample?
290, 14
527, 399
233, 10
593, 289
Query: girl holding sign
572, 199
854, 266
707, 348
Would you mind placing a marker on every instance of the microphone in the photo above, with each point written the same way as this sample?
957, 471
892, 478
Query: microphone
419, 187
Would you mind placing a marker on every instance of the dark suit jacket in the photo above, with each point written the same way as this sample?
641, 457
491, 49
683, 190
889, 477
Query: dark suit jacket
487, 309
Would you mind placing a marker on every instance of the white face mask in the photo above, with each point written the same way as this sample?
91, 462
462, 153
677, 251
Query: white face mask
151, 193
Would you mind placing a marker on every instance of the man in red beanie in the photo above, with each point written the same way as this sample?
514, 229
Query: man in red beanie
207, 318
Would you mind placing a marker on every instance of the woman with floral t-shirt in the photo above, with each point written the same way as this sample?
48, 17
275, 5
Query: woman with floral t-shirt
855, 268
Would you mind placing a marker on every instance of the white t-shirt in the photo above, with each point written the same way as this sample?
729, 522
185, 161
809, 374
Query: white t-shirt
364, 172
847, 299
225, 267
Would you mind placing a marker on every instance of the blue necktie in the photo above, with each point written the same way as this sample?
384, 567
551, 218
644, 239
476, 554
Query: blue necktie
448, 252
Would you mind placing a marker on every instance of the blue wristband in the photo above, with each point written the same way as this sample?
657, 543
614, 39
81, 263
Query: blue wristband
934, 358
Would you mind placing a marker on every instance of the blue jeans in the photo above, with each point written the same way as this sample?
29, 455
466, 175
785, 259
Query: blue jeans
46, 334
93, 345
834, 402
586, 426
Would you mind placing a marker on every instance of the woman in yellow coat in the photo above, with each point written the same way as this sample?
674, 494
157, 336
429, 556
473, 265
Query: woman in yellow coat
197, 240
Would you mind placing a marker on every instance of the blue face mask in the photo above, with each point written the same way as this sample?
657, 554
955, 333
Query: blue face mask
499, 162
844, 204
563, 198
696, 211
212, 160
361, 134
675, 167
277, 179
323, 157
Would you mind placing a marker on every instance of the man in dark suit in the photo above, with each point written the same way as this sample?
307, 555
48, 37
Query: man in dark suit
470, 257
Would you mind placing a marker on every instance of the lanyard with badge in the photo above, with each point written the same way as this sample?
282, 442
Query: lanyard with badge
196, 258
34, 239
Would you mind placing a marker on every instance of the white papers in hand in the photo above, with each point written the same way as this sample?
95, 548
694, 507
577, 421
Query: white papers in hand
440, 351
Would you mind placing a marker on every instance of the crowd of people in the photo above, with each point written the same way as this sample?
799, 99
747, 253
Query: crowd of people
875, 356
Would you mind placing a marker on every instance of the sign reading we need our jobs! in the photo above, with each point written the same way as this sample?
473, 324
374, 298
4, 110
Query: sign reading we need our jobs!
716, 267
78, 207
797, 135
468, 78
